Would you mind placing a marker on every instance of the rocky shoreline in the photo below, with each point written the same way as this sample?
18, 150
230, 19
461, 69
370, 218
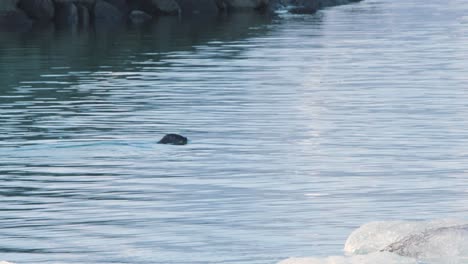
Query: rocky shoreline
18, 14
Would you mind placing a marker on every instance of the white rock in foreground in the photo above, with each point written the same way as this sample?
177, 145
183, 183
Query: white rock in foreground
374, 258
402, 242
422, 240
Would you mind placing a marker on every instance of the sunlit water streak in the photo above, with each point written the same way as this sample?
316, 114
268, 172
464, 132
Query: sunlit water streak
301, 129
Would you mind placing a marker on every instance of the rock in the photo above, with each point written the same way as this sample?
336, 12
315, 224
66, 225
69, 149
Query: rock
8, 5
66, 14
14, 20
327, 3
305, 6
173, 139
84, 18
245, 4
170, 7
302, 10
42, 10
428, 242
157, 7
87, 3
107, 13
139, 17
200, 7
120, 4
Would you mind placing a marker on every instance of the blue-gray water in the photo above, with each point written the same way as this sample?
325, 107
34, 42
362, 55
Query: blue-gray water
301, 129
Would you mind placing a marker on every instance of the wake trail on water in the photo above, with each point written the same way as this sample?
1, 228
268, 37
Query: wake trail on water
401, 242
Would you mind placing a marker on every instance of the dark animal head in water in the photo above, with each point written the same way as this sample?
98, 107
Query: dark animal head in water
173, 139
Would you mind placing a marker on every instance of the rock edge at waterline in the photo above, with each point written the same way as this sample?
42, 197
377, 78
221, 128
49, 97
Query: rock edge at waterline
18, 14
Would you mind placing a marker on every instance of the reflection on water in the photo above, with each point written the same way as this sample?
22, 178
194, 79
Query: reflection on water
47, 48
301, 129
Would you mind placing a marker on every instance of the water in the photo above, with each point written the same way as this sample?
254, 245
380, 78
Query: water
301, 128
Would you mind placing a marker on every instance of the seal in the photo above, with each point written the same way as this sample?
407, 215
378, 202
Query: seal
173, 139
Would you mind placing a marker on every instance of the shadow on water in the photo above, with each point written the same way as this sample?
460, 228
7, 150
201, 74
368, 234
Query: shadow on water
48, 63
25, 55
59, 83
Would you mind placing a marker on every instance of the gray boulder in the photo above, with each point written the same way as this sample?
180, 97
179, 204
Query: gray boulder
87, 3
157, 7
8, 5
107, 13
326, 3
14, 20
303, 9
66, 14
200, 7
42, 10
170, 7
84, 17
305, 6
244, 4
139, 17
425, 243
121, 5
11, 18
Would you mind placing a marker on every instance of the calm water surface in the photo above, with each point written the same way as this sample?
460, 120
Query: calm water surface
301, 128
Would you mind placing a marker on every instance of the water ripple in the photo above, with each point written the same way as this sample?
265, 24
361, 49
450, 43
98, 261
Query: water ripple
301, 128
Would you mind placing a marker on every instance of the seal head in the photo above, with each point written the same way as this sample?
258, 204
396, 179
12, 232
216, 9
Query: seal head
173, 139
